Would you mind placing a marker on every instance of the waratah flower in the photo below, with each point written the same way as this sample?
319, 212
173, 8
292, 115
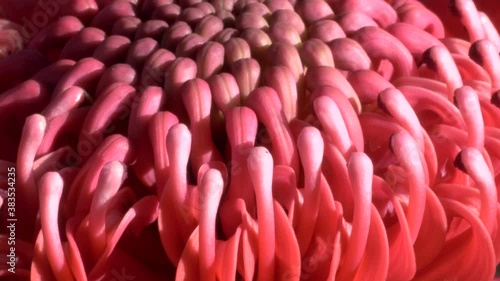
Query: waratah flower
249, 140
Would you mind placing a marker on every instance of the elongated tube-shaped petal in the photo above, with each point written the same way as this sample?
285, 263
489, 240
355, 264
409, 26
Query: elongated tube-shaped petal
258, 41
236, 49
174, 34
168, 13
349, 55
209, 27
126, 26
251, 20
329, 76
490, 31
380, 11
281, 79
114, 147
151, 28
316, 53
257, 8
110, 180
247, 73
117, 73
469, 16
241, 126
471, 161
360, 170
275, 5
174, 195
311, 148
375, 41
415, 39
51, 188
197, 99
281, 32
468, 103
349, 115
70, 99
155, 67
160, 124
266, 104
326, 30
440, 60
368, 84
33, 133
290, 18
332, 122
283, 53
113, 104
189, 45
210, 194
353, 20
225, 91
83, 44
422, 99
260, 165
107, 16
416, 14
312, 11
396, 104
405, 149
484, 53
210, 59
84, 73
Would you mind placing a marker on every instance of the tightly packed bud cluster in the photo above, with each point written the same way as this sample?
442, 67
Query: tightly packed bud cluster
249, 140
